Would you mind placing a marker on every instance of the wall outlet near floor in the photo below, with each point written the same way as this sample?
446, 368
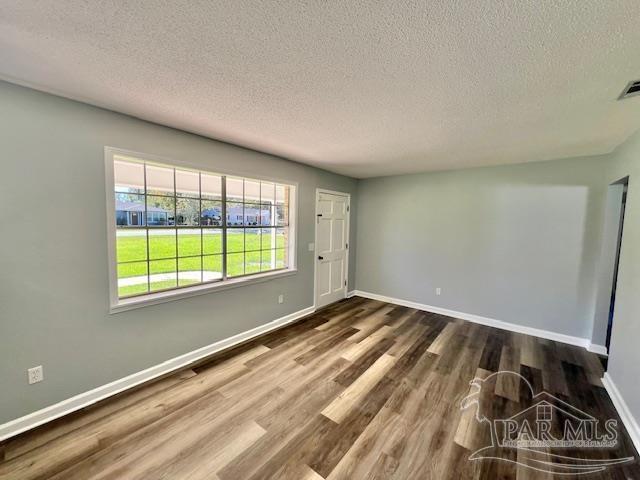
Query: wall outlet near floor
281, 298
438, 291
35, 374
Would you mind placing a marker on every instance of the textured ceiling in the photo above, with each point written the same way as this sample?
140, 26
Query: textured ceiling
364, 88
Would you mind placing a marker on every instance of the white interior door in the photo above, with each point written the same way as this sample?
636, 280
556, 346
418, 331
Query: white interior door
332, 237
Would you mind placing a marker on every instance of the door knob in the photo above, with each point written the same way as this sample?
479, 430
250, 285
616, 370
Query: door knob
320, 258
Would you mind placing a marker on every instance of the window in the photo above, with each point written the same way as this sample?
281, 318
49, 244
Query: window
177, 228
544, 413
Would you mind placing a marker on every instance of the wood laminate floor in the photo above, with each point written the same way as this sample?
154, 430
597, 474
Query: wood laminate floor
359, 390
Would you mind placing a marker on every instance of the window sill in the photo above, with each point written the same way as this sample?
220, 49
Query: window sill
161, 297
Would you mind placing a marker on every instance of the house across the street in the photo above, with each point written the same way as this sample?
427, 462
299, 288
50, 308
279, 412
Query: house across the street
236, 216
131, 214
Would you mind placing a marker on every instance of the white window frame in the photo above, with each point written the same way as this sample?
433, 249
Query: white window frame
117, 304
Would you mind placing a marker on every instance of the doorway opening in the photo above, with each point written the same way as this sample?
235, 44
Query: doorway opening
625, 185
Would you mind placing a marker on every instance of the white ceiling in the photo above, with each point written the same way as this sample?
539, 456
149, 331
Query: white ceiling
364, 88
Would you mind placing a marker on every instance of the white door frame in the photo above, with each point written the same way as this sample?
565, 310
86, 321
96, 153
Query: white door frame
315, 239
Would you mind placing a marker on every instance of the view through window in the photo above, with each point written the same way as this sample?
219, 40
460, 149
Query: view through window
177, 227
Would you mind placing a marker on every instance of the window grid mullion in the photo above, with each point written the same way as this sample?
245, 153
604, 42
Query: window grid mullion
146, 227
201, 232
223, 179
175, 225
273, 234
244, 232
260, 227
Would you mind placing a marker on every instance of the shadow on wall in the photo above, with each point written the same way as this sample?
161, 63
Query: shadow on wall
517, 243
539, 243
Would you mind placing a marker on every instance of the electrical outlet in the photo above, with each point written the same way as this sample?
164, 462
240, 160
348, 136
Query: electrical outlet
438, 291
35, 374
312, 247
281, 298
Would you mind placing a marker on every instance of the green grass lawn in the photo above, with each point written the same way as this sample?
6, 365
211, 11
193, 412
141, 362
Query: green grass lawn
195, 253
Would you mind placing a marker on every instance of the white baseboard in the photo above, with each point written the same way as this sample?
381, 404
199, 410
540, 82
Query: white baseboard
39, 417
598, 349
47, 414
491, 322
623, 410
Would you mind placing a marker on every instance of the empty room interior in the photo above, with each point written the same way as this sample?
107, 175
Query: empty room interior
320, 240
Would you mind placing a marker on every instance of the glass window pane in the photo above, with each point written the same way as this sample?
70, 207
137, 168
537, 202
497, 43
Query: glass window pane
252, 262
281, 258
187, 184
235, 240
131, 245
129, 210
211, 240
267, 193
251, 239
211, 213
282, 237
162, 243
160, 180
128, 176
189, 242
266, 214
211, 186
235, 189
268, 260
282, 194
251, 214
187, 212
256, 214
132, 279
162, 274
235, 214
235, 264
132, 270
268, 238
282, 215
251, 191
189, 271
130, 290
211, 268
160, 211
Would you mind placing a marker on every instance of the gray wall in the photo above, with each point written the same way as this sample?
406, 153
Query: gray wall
515, 243
624, 352
53, 251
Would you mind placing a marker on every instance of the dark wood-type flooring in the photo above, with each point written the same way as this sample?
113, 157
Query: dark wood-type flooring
359, 390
